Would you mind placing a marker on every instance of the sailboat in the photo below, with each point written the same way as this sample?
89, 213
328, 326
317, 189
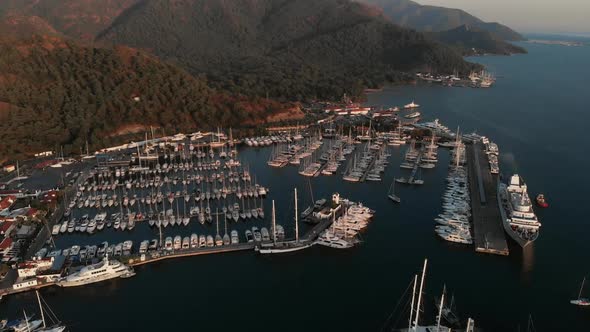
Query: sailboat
447, 312
57, 327
414, 323
392, 196
284, 246
581, 301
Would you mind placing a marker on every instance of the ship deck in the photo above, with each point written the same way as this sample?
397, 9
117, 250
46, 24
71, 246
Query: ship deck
489, 236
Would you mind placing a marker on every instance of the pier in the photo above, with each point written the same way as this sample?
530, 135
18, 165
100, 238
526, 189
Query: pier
160, 255
156, 256
488, 231
416, 166
366, 171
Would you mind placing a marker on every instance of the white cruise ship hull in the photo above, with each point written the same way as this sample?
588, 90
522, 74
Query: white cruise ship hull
506, 224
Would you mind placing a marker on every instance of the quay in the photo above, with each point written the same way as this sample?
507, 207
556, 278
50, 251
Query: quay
416, 165
488, 231
160, 255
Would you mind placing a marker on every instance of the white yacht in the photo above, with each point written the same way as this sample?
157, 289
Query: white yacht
411, 105
413, 115
104, 270
449, 233
516, 209
235, 239
328, 239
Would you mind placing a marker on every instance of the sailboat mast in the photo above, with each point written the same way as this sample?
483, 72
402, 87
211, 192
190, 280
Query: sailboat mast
27, 321
420, 293
160, 227
442, 302
274, 224
40, 309
413, 301
296, 218
217, 220
581, 288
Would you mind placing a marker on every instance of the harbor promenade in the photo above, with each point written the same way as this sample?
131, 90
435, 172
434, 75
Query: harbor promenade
488, 231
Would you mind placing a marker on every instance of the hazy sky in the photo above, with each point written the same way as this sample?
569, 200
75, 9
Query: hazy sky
527, 15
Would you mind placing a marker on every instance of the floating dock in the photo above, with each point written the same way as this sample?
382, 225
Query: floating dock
489, 236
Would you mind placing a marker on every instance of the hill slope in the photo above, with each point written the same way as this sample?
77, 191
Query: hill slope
80, 19
294, 48
473, 41
54, 92
432, 18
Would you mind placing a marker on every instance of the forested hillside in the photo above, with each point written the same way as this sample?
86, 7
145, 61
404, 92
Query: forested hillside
411, 14
292, 49
474, 41
79, 19
54, 92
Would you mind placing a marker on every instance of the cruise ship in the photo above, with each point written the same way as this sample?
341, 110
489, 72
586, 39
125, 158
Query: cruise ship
516, 209
104, 270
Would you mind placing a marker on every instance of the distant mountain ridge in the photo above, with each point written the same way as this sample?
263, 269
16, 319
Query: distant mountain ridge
294, 48
435, 19
79, 19
474, 41
71, 69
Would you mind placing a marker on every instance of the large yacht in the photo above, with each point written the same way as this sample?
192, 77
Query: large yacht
516, 209
329, 239
104, 270
411, 105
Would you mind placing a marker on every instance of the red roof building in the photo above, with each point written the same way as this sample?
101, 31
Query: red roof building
6, 243
7, 202
31, 213
5, 226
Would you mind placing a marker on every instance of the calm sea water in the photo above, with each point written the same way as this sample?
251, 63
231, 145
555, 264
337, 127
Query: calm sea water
537, 113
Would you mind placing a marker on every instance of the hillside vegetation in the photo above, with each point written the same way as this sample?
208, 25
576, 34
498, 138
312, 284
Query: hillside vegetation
79, 19
294, 49
411, 14
54, 92
474, 41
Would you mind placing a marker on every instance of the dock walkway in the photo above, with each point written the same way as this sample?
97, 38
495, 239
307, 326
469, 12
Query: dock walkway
160, 255
488, 231
369, 168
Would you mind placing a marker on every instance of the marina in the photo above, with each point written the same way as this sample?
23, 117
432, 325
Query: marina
400, 236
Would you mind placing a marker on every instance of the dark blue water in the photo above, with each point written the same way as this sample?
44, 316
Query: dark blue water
537, 113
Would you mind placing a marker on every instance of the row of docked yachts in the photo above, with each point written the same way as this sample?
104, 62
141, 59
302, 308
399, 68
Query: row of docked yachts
337, 151
89, 252
453, 222
345, 229
205, 241
369, 164
269, 140
492, 151
214, 185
